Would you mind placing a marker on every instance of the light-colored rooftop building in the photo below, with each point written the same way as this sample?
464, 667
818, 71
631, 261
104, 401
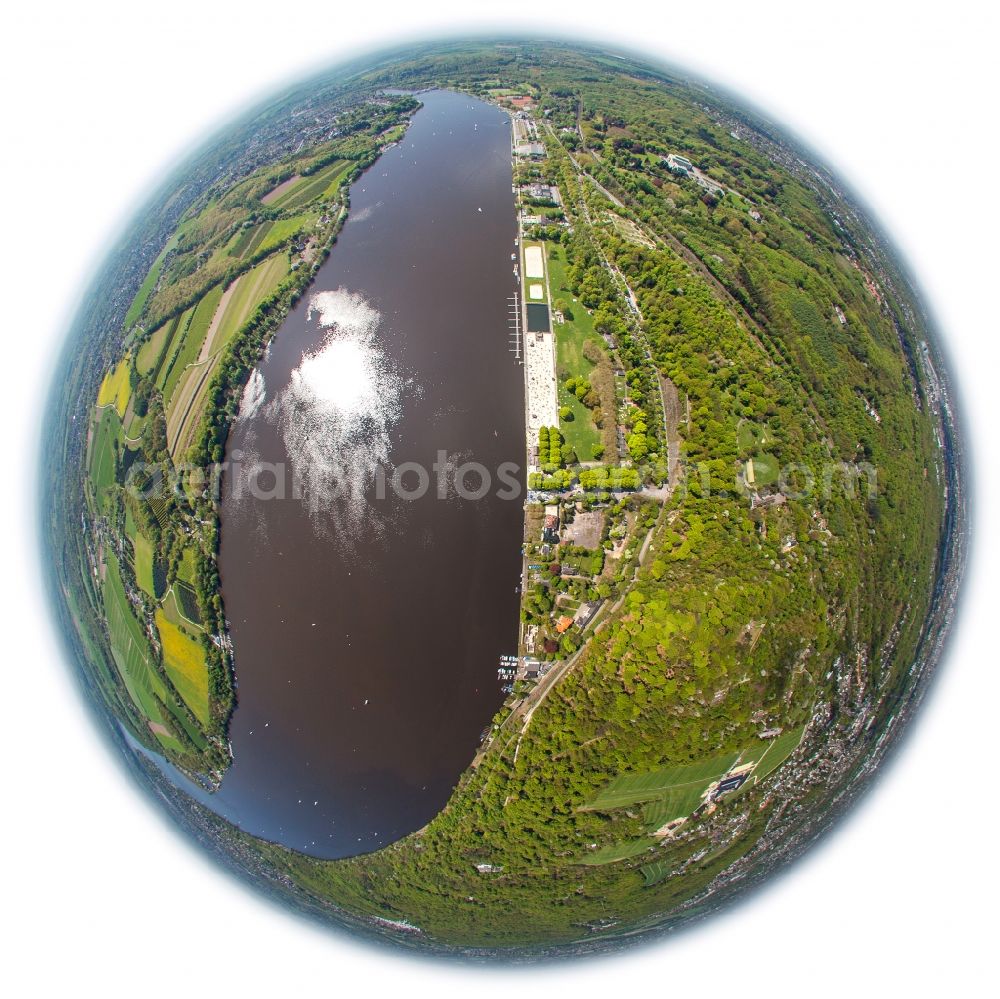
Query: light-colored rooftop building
679, 164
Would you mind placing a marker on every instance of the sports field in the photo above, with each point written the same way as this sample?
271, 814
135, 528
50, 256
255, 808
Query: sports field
676, 792
534, 261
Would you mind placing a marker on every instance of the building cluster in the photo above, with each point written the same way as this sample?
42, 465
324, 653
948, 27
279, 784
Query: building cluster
542, 192
683, 167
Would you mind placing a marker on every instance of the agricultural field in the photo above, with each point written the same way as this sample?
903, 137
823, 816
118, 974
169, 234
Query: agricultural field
309, 188
133, 656
270, 235
249, 289
116, 388
147, 287
144, 564
152, 352
104, 447
184, 661
185, 346
230, 309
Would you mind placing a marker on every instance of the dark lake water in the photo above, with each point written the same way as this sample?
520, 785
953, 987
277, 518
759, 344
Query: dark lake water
367, 631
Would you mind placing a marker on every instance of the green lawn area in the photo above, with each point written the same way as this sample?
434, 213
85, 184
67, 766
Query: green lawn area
754, 752
778, 751
282, 229
655, 872
153, 351
571, 335
107, 433
676, 782
618, 851
144, 563
186, 569
674, 803
269, 235
766, 470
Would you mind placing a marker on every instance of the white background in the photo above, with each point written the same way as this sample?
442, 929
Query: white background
97, 100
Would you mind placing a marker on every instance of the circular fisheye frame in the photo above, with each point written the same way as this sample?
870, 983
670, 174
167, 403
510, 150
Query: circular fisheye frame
503, 497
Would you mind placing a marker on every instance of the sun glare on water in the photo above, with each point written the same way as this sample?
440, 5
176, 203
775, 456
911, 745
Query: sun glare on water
338, 410
343, 375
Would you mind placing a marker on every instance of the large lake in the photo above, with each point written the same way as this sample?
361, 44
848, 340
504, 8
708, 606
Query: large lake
367, 630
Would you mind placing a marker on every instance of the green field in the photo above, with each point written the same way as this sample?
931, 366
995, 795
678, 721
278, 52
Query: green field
778, 751
676, 792
107, 436
674, 803
681, 783
151, 352
252, 288
571, 335
283, 229
309, 188
249, 290
269, 235
186, 344
132, 653
147, 286
186, 569
655, 872
184, 661
144, 563
246, 240
618, 851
